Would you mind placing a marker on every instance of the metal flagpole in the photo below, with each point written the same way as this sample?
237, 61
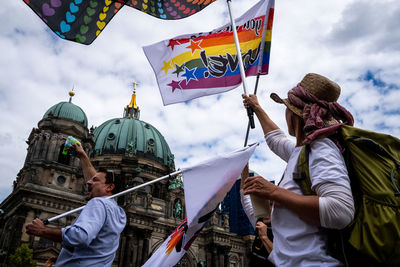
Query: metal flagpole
260, 62
248, 125
239, 56
55, 218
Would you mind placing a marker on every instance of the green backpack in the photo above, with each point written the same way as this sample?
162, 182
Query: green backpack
373, 163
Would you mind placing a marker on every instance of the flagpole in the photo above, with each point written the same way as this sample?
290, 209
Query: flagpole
248, 124
261, 53
239, 56
55, 218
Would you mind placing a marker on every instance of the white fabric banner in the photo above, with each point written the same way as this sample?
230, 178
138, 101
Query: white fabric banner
206, 185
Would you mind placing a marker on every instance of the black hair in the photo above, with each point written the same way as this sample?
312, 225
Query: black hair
111, 178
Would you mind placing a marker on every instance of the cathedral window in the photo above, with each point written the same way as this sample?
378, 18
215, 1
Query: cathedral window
111, 136
63, 159
61, 179
45, 243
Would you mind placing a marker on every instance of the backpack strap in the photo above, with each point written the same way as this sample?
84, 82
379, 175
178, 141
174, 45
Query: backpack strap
302, 176
334, 238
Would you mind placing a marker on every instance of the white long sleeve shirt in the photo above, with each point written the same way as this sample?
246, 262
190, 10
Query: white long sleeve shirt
296, 242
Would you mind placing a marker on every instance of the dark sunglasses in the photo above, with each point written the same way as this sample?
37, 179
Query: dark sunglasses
113, 177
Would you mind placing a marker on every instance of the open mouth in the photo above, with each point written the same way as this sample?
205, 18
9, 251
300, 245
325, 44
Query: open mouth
88, 188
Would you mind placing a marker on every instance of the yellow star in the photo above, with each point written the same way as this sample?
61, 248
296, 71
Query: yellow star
167, 66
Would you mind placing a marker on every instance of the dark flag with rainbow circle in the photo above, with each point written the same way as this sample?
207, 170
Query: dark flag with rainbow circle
83, 20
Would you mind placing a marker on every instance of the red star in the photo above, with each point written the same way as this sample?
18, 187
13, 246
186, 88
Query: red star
194, 45
175, 85
172, 43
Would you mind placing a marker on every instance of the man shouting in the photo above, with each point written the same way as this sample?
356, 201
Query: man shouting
93, 238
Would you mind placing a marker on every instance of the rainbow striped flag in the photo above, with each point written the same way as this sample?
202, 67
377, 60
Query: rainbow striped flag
195, 65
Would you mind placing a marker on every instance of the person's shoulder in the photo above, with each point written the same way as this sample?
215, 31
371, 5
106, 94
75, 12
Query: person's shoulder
96, 201
109, 203
100, 201
325, 148
112, 207
324, 143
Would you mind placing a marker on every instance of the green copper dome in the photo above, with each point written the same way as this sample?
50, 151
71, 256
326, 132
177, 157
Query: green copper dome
67, 110
131, 136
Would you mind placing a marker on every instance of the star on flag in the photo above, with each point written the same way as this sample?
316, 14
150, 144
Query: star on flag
189, 74
175, 85
172, 43
178, 69
167, 66
194, 45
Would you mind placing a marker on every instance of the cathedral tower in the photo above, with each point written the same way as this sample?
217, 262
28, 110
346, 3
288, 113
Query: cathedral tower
49, 183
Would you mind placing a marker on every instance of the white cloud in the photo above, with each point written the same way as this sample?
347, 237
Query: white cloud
340, 39
370, 24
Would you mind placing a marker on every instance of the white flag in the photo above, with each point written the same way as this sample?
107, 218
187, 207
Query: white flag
206, 185
200, 64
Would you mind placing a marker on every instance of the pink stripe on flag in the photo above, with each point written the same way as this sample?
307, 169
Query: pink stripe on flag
204, 83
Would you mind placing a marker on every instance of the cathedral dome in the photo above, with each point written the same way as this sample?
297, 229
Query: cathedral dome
67, 110
131, 136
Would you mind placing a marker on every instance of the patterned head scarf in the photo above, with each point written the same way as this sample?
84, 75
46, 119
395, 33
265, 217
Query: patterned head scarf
314, 100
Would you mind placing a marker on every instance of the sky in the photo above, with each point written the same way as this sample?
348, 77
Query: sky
355, 43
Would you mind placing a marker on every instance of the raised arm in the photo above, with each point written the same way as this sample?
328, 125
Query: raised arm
245, 199
266, 123
88, 170
262, 232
